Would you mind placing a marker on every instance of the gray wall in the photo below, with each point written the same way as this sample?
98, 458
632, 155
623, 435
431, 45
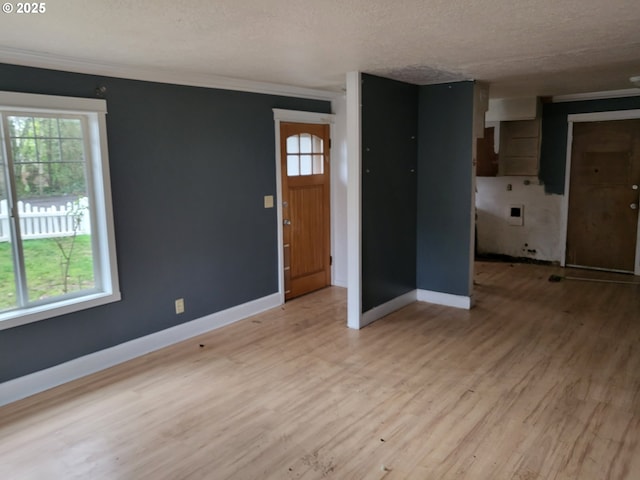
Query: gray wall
416, 228
389, 149
553, 152
444, 187
189, 169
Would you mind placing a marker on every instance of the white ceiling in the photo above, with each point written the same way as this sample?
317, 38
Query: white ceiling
541, 47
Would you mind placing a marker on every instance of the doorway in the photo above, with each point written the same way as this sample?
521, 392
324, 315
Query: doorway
602, 194
305, 205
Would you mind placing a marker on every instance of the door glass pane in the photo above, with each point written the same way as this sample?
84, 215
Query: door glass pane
293, 144
305, 143
293, 166
318, 146
318, 164
305, 165
53, 205
8, 298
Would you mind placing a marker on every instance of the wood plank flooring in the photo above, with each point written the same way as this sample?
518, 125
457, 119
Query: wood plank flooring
540, 381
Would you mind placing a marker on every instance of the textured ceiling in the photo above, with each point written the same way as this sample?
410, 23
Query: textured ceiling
542, 47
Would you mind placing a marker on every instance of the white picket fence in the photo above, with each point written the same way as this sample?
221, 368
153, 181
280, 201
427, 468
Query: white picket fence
45, 222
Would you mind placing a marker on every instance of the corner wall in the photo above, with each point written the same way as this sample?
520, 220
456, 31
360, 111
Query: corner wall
445, 188
389, 148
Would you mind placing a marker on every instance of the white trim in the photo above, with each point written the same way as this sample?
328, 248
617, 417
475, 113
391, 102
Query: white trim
586, 267
196, 79
104, 209
45, 103
279, 216
23, 316
564, 220
564, 213
577, 97
385, 309
354, 186
297, 116
37, 382
339, 193
447, 299
604, 116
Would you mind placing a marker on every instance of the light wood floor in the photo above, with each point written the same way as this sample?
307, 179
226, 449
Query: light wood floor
540, 381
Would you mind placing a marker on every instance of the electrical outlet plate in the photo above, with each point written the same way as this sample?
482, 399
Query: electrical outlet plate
516, 215
268, 201
180, 305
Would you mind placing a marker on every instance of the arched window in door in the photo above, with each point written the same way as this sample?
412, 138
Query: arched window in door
305, 155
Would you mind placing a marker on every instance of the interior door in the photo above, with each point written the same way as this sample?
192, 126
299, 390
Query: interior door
602, 225
305, 207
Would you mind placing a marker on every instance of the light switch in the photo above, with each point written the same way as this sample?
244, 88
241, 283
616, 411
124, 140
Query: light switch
268, 201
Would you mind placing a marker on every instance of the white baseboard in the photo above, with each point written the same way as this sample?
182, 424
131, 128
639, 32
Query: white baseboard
447, 299
385, 309
338, 282
42, 380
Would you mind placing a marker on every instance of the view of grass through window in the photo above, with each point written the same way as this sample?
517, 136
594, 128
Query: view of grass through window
46, 268
46, 166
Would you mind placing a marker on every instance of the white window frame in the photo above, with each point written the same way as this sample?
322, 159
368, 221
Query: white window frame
107, 285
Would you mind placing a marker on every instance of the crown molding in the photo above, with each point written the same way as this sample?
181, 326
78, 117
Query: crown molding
577, 97
195, 79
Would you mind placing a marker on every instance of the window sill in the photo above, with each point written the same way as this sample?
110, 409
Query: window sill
23, 316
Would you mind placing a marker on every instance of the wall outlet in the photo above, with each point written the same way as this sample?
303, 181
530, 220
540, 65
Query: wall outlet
180, 305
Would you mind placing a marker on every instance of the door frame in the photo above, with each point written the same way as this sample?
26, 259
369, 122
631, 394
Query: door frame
296, 116
564, 221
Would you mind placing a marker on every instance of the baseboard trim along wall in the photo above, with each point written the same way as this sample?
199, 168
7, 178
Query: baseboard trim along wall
447, 299
385, 309
438, 298
338, 282
42, 380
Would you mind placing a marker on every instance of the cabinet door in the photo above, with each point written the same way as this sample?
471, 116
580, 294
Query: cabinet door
519, 147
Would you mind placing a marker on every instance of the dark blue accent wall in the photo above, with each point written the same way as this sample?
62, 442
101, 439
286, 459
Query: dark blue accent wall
389, 149
189, 169
553, 152
444, 187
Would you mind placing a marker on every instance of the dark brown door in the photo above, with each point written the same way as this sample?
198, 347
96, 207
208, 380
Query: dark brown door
305, 207
603, 196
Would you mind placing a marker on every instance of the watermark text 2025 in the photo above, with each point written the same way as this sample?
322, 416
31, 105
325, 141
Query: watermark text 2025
25, 8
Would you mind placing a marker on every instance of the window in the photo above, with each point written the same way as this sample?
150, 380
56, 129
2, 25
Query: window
305, 155
57, 252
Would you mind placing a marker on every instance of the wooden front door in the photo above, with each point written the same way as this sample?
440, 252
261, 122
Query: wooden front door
603, 195
305, 207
